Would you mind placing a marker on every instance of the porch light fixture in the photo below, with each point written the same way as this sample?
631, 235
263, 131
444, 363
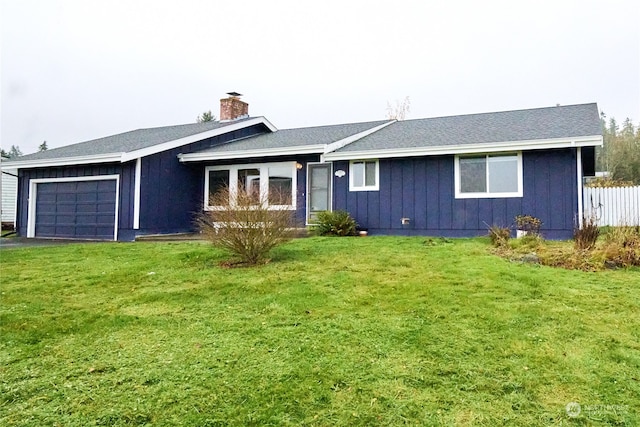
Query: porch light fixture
298, 165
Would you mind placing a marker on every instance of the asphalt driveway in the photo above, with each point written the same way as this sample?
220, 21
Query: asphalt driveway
23, 242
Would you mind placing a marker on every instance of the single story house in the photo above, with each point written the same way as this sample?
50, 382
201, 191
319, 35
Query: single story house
445, 176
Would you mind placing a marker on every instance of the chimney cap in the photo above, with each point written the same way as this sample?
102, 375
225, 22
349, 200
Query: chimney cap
234, 94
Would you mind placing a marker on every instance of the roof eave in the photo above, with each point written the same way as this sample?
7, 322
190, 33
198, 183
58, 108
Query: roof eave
538, 144
63, 161
246, 154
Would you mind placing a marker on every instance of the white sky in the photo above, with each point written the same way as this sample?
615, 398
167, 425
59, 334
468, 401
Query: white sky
74, 70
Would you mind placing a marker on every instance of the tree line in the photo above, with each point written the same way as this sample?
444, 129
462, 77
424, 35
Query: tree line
620, 153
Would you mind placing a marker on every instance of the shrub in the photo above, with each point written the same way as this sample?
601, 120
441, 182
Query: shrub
336, 223
622, 246
607, 182
585, 238
499, 236
528, 223
243, 224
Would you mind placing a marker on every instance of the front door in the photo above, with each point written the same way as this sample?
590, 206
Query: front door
318, 189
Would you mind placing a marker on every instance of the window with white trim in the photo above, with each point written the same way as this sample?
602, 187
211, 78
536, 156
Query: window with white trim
274, 182
488, 175
364, 175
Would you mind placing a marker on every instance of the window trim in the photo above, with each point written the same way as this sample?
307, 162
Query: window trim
353, 187
264, 181
488, 195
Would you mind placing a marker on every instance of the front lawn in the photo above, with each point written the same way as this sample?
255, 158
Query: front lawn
334, 331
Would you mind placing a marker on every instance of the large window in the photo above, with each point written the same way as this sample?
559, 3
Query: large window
488, 175
273, 182
363, 175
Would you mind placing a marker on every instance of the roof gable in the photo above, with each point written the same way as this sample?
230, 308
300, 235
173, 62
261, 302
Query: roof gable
288, 141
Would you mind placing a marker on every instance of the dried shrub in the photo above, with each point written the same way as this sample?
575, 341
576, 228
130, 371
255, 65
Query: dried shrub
499, 236
585, 237
621, 246
607, 182
335, 223
243, 224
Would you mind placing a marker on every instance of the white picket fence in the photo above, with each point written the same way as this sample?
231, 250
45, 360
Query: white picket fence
612, 206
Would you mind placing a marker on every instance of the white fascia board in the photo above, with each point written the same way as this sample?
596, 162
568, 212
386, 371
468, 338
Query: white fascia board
245, 154
537, 144
64, 161
348, 140
195, 138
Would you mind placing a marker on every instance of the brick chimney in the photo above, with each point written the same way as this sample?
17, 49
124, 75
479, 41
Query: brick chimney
232, 108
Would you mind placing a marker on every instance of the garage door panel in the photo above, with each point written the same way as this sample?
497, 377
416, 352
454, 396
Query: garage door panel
66, 207
87, 197
46, 197
65, 187
76, 209
92, 186
47, 231
106, 198
87, 208
103, 185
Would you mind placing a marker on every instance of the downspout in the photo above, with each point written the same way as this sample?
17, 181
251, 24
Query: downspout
136, 195
580, 185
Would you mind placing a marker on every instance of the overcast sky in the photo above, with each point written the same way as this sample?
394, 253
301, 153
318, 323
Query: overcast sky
74, 70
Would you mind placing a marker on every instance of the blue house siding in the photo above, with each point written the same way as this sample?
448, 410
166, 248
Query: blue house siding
171, 191
422, 189
127, 176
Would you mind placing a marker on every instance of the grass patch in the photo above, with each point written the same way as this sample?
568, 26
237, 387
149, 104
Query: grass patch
353, 331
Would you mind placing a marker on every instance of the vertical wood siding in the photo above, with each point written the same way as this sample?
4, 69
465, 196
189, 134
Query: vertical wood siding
171, 192
127, 177
422, 189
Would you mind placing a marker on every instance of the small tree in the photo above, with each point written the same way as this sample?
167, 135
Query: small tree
400, 111
14, 152
207, 116
43, 146
243, 223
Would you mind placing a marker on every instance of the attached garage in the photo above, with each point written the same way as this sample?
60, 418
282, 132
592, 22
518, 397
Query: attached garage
74, 208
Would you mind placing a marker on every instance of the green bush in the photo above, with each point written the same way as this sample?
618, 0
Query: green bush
335, 223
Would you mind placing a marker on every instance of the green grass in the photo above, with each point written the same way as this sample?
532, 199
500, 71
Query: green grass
334, 331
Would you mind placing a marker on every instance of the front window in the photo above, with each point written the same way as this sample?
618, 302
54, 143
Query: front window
363, 175
272, 182
488, 175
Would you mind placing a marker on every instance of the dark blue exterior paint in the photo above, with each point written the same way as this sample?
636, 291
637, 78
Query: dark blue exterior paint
170, 192
422, 189
170, 195
125, 208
